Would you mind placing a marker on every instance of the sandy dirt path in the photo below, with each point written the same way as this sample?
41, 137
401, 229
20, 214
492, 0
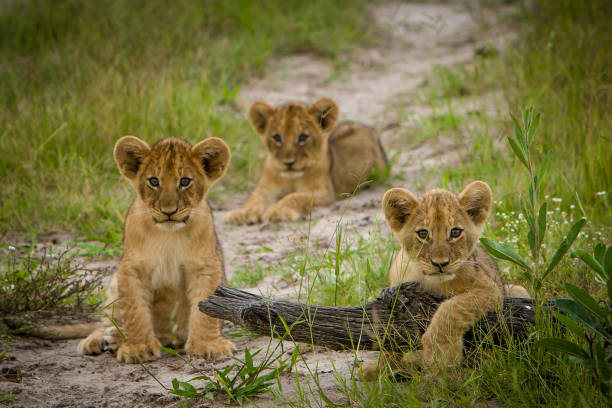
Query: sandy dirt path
376, 82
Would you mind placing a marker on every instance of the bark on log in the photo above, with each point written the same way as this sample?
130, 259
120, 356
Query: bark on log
395, 320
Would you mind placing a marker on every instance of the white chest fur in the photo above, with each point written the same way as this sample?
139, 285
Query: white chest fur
165, 258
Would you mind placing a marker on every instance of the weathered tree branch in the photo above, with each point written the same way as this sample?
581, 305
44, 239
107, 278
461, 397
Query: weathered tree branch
396, 319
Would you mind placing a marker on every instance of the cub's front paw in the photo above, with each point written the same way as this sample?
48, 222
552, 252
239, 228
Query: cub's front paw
210, 350
278, 213
370, 370
243, 216
92, 344
139, 352
441, 352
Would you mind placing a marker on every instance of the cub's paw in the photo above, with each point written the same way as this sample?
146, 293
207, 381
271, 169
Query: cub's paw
210, 350
139, 352
442, 353
243, 216
370, 370
280, 213
92, 344
112, 339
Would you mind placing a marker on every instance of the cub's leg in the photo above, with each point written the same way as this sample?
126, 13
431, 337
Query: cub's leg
443, 339
134, 304
294, 205
252, 210
387, 363
94, 343
204, 332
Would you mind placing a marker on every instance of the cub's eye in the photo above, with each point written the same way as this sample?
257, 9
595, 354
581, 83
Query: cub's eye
302, 138
455, 232
422, 233
277, 138
184, 182
154, 182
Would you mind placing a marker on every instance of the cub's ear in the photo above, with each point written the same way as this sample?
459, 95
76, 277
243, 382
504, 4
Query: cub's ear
129, 153
214, 156
476, 200
325, 112
259, 114
398, 204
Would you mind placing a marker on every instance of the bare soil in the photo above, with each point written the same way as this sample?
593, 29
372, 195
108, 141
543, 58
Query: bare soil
372, 88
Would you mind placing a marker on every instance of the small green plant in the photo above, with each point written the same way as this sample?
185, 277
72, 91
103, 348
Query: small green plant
534, 210
240, 381
589, 320
32, 285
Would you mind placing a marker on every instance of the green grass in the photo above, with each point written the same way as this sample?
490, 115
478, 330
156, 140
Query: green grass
77, 75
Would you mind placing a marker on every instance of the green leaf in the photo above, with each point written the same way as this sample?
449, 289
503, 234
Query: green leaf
577, 313
563, 346
564, 246
533, 127
503, 252
570, 324
518, 133
590, 261
531, 240
527, 213
542, 222
543, 167
600, 253
582, 297
608, 262
518, 151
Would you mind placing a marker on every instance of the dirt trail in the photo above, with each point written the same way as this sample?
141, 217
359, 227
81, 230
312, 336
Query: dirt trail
376, 82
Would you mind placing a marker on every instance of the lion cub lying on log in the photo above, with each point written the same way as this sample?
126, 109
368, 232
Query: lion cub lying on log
172, 259
439, 234
306, 164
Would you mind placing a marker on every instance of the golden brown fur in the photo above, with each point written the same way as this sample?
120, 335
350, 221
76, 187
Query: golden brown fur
172, 259
439, 233
306, 165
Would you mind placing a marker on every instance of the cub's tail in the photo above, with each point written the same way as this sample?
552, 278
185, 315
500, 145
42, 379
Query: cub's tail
61, 332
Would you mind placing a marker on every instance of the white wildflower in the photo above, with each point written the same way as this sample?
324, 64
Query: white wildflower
600, 193
556, 199
572, 206
11, 248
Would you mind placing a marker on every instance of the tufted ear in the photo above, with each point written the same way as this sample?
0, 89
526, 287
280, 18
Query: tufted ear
476, 200
398, 204
325, 112
129, 153
259, 114
214, 156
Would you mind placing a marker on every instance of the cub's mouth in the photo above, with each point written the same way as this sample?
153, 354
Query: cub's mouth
171, 223
292, 173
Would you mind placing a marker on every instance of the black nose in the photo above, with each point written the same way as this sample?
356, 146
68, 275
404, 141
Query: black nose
169, 213
440, 265
289, 163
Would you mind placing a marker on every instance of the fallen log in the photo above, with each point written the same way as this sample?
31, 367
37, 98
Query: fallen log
395, 320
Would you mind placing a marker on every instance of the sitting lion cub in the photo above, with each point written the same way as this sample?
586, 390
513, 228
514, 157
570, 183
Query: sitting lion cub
439, 234
309, 160
172, 259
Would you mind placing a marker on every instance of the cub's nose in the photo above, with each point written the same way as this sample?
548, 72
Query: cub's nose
169, 211
439, 264
289, 163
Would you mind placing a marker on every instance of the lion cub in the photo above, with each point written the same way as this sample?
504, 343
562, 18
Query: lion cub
439, 234
309, 160
172, 259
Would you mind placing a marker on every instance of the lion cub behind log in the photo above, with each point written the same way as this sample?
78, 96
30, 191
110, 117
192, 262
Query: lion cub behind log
310, 160
172, 259
439, 233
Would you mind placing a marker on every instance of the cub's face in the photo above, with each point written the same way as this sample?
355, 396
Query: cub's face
171, 177
294, 133
440, 229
